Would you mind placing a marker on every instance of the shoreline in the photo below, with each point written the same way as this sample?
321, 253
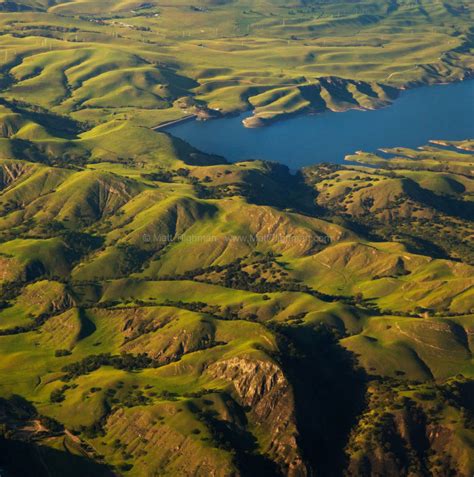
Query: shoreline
429, 132
174, 122
288, 115
400, 90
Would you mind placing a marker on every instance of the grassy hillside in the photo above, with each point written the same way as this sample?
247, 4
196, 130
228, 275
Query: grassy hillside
177, 305
423, 197
164, 312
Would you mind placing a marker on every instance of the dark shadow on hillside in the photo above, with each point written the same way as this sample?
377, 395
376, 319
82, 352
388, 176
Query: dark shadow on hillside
337, 89
87, 326
22, 456
422, 246
59, 126
26, 459
277, 187
448, 205
192, 156
392, 7
312, 93
234, 436
9, 6
27, 151
466, 397
45, 153
243, 445
329, 394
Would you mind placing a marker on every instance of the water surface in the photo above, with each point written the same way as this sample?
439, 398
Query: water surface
418, 115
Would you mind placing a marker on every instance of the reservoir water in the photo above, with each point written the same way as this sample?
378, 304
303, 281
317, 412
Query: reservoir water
418, 115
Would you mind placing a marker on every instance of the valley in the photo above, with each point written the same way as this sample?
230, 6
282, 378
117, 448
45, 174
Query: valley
172, 310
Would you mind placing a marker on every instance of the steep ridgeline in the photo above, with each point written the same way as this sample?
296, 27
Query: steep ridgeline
164, 312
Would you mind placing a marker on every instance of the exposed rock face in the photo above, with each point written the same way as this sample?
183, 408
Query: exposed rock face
11, 171
262, 387
62, 303
166, 345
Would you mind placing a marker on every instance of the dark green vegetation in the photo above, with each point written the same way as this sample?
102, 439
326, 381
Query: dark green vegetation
166, 313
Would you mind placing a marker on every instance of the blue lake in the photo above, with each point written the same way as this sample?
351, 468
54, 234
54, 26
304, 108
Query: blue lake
418, 115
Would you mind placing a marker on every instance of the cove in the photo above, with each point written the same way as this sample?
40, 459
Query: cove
417, 116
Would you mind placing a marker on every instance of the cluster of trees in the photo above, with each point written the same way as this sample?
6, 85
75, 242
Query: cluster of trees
158, 176
234, 276
134, 258
379, 426
39, 321
220, 313
133, 398
59, 394
222, 191
62, 352
164, 175
125, 361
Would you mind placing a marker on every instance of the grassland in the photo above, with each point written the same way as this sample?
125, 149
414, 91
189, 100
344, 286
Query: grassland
138, 294
160, 61
164, 312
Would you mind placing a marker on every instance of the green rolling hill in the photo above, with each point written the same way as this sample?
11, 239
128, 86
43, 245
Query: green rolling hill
166, 313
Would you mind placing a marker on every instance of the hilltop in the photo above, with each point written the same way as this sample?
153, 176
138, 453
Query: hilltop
166, 312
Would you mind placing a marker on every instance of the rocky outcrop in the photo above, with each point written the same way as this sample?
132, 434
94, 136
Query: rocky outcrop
10, 171
262, 388
168, 344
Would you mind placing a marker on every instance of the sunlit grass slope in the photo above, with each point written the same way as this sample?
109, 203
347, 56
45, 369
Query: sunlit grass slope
164, 312
159, 298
